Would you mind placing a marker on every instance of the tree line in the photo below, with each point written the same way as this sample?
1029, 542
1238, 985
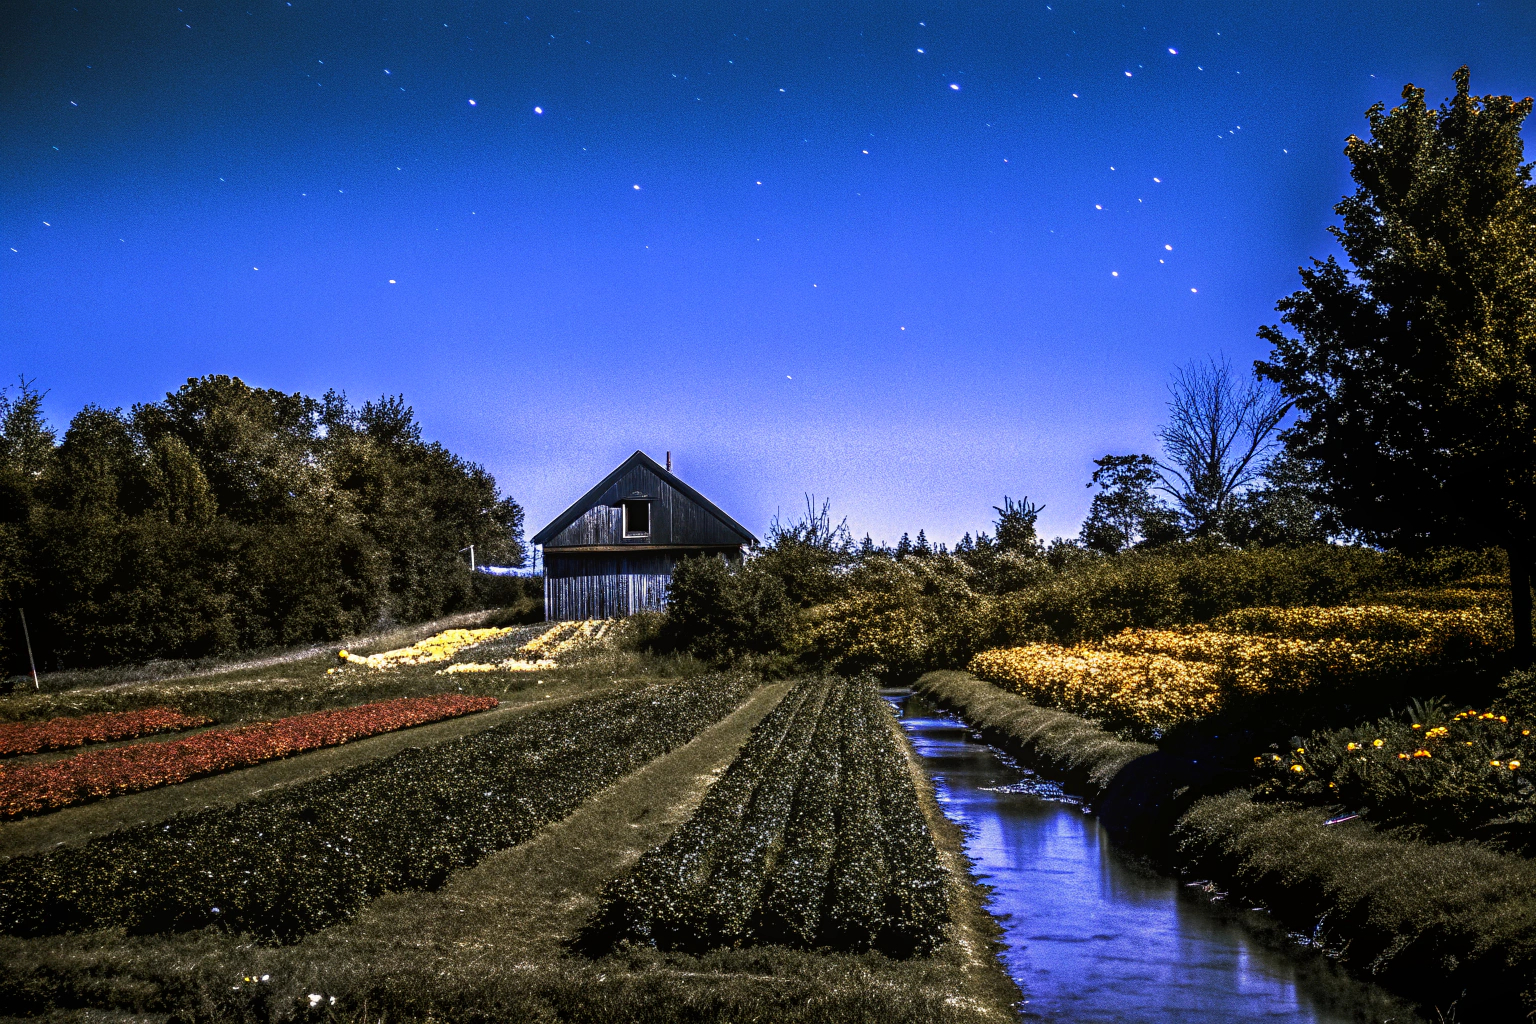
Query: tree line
1396, 413
228, 517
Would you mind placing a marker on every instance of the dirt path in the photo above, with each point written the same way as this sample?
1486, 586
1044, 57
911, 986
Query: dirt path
78, 824
524, 901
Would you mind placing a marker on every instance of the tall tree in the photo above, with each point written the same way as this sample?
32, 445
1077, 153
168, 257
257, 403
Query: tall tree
1125, 512
1221, 430
1414, 369
1016, 526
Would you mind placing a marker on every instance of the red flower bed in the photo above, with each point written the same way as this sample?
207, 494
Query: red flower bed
29, 788
59, 733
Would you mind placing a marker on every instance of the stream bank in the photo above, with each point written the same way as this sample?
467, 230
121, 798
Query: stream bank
1450, 926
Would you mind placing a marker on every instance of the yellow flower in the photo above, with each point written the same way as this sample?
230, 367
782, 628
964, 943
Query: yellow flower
1298, 769
1422, 753
1513, 765
1402, 757
1496, 764
1416, 725
1377, 743
1353, 746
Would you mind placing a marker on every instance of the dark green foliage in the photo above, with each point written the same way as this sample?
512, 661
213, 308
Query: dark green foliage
1413, 367
229, 518
1449, 924
1443, 776
813, 837
305, 858
721, 610
1125, 512
1290, 509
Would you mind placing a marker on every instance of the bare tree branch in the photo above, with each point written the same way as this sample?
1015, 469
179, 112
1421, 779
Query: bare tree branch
1221, 432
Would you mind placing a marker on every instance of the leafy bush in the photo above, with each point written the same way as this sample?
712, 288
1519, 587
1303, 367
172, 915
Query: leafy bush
1445, 776
30, 788
296, 861
813, 837
720, 610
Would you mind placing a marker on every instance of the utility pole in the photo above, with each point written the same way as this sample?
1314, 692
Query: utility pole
30, 660
471, 550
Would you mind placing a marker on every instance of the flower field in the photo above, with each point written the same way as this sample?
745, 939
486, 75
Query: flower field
813, 837
302, 858
544, 650
438, 647
1448, 777
32, 788
1156, 678
63, 733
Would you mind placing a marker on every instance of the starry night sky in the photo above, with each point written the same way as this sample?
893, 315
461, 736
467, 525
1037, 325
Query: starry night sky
910, 257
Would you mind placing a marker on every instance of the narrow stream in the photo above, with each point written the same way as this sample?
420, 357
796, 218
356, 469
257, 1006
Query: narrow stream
1095, 938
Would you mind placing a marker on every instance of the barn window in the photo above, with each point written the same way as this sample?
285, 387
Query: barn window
637, 519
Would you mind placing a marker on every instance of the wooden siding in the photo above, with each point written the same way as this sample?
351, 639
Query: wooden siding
609, 585
676, 519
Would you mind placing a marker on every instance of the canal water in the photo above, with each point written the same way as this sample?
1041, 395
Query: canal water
1092, 936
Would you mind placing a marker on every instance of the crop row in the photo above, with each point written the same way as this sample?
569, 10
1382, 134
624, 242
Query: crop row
30, 788
303, 858
813, 837
1156, 678
63, 733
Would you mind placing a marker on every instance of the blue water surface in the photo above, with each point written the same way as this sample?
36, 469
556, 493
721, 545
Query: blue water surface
1095, 938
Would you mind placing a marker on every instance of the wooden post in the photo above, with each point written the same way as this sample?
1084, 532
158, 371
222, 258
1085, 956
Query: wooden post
30, 660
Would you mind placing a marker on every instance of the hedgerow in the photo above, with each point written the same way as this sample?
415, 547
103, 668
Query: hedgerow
305, 858
30, 788
813, 838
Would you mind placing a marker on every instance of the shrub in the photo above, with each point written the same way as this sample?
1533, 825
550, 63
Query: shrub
720, 610
813, 837
304, 858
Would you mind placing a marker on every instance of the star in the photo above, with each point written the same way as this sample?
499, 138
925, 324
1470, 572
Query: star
953, 86
538, 110
471, 102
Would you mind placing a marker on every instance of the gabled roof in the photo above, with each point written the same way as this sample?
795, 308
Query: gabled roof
579, 507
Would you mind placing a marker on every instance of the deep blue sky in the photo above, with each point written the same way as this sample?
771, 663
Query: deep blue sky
839, 273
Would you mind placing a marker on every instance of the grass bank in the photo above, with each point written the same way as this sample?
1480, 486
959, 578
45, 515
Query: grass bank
1452, 925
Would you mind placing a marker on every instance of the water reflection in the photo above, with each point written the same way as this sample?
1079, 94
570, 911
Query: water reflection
1093, 937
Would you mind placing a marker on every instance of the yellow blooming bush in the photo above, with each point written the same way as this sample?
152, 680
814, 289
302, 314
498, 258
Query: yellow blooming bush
1151, 689
440, 647
1158, 677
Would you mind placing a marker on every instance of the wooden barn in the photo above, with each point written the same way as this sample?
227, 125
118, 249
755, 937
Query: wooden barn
611, 553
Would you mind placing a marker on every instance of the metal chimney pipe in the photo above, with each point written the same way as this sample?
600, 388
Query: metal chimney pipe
669, 462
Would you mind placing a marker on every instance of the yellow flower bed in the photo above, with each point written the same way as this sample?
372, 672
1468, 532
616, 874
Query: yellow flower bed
440, 647
1468, 628
1096, 683
1159, 677
544, 650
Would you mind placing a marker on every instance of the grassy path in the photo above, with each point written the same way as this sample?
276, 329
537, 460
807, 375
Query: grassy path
528, 899
85, 821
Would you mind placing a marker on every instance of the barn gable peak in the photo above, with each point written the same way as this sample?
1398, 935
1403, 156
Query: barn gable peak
684, 517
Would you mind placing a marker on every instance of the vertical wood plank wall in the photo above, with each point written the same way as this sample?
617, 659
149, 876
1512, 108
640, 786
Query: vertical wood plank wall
604, 597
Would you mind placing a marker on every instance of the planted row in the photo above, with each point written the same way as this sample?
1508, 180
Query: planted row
63, 733
813, 837
304, 858
31, 788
